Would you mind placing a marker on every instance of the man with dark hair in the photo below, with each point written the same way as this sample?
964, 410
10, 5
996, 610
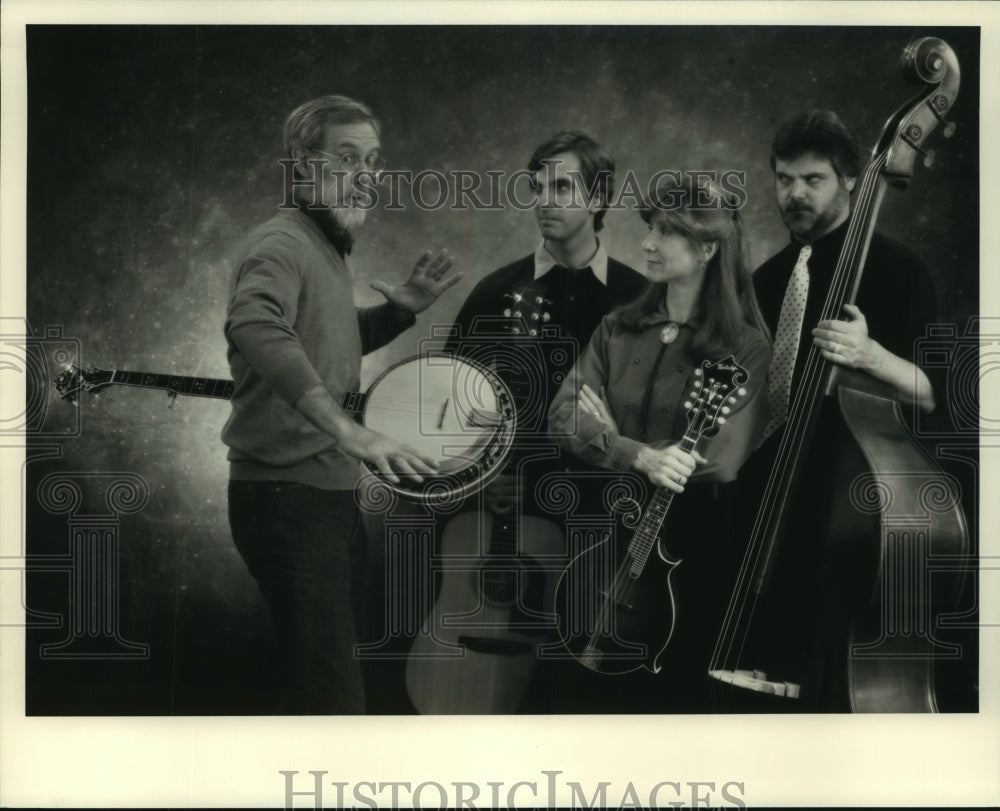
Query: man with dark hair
530, 320
816, 165
569, 282
823, 133
295, 341
594, 164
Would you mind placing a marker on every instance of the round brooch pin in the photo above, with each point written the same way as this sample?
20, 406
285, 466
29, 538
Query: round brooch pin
669, 333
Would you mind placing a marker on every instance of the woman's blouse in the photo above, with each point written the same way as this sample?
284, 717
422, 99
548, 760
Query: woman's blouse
647, 382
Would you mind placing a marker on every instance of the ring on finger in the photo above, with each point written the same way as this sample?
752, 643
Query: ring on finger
836, 348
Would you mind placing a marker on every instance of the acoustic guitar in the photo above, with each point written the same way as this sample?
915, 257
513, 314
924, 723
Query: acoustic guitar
479, 646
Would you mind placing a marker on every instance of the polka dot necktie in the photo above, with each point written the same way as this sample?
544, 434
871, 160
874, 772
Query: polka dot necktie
786, 342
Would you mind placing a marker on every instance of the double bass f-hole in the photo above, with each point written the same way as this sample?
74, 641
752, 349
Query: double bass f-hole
886, 671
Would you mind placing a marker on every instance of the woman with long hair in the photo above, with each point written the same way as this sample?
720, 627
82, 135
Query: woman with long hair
622, 409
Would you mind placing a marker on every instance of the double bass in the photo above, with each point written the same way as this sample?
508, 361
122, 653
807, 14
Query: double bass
889, 510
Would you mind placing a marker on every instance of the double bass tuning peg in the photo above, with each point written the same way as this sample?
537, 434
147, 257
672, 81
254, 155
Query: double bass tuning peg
929, 154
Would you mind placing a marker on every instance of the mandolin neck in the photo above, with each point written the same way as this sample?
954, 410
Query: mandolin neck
648, 530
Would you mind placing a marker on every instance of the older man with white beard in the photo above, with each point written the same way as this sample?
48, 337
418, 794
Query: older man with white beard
295, 341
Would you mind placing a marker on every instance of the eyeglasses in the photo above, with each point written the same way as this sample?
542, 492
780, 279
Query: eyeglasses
351, 161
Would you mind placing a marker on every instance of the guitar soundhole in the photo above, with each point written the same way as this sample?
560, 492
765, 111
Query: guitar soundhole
499, 583
515, 585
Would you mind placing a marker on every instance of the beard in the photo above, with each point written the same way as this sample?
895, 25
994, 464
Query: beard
808, 224
347, 216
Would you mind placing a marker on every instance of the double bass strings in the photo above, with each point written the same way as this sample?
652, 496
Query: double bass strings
804, 410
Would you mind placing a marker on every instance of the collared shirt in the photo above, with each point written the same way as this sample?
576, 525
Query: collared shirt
598, 264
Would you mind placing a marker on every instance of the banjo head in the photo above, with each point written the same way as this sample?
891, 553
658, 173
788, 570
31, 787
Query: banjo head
452, 410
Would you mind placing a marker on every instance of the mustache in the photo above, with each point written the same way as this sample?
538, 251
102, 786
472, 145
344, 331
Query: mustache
798, 207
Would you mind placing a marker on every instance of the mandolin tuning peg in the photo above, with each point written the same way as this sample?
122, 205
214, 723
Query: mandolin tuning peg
725, 409
546, 317
929, 158
721, 420
741, 391
506, 312
688, 404
949, 129
539, 300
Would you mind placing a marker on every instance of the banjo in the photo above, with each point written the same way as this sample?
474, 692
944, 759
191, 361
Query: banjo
454, 410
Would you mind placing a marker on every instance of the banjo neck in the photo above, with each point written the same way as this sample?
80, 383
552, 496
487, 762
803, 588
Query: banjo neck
74, 379
457, 412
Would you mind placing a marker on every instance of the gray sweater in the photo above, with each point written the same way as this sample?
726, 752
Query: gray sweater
292, 324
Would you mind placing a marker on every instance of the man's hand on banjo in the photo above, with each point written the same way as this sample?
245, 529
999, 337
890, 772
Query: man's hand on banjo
392, 459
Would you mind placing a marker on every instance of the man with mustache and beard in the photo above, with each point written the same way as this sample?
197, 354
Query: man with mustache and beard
295, 341
815, 162
816, 165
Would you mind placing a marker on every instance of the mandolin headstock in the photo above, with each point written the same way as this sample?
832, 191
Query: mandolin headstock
718, 387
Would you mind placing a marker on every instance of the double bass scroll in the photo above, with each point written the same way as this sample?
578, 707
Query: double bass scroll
889, 667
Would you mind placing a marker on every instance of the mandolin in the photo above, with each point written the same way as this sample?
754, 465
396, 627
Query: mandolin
615, 601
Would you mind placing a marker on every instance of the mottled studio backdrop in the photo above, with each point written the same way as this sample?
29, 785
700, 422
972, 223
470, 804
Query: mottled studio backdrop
153, 149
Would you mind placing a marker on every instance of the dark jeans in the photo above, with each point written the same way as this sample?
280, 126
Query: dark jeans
307, 549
